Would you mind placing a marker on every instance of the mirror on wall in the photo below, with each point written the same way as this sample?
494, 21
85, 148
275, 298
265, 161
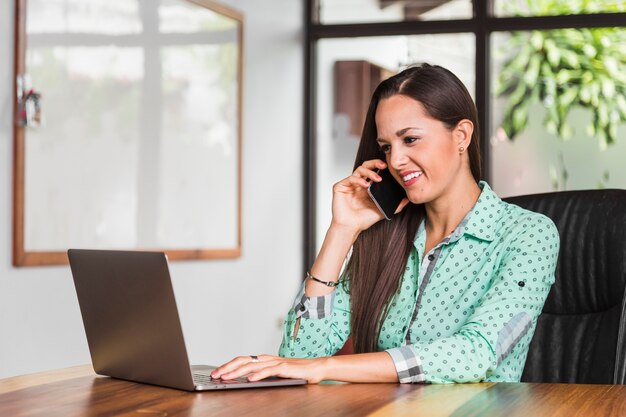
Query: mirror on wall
127, 128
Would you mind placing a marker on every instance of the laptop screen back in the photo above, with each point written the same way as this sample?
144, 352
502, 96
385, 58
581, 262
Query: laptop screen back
130, 316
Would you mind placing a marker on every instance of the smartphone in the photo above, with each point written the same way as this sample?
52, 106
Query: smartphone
386, 194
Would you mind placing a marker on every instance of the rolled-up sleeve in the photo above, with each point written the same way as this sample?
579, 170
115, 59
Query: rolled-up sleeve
317, 326
313, 307
502, 324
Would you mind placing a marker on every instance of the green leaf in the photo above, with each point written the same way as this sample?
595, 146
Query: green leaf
520, 119
595, 94
551, 127
508, 130
608, 88
547, 75
563, 76
621, 105
611, 65
532, 72
585, 94
570, 58
568, 97
553, 54
536, 40
566, 132
612, 133
518, 94
603, 114
521, 59
563, 68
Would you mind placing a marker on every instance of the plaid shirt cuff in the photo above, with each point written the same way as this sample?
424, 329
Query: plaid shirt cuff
408, 364
313, 307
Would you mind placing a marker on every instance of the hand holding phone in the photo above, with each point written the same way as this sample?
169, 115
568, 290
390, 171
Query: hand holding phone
386, 194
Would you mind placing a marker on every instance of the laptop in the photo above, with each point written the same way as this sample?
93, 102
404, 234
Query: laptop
132, 325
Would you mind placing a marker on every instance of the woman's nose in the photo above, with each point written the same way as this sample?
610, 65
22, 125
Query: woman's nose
397, 158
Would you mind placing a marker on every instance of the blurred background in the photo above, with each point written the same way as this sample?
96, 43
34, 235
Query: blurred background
141, 141
553, 101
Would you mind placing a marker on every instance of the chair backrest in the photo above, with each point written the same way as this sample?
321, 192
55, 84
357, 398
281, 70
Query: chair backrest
581, 335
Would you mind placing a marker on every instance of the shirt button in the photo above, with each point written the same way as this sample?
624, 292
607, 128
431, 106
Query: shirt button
521, 284
404, 329
431, 257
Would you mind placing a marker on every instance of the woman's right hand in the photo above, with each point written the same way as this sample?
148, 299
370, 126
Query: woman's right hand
352, 207
353, 212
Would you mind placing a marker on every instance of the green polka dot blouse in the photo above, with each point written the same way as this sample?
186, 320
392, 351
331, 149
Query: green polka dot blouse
465, 312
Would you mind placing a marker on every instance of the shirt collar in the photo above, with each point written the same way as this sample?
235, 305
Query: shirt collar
481, 220
478, 222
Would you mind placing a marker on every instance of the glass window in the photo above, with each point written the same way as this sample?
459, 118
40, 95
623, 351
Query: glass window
558, 104
177, 16
348, 70
507, 8
110, 17
132, 114
367, 11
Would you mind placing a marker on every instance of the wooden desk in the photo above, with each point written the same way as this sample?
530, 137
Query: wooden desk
78, 392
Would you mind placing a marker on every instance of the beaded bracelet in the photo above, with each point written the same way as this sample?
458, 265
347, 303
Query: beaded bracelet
327, 283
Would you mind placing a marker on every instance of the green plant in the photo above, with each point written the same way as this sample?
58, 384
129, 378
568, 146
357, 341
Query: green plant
559, 175
602, 182
565, 68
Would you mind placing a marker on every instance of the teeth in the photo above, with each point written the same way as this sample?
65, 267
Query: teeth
411, 176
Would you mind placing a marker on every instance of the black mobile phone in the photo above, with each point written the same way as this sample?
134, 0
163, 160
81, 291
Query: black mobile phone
386, 194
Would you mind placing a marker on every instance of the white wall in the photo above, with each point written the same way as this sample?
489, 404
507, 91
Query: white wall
227, 307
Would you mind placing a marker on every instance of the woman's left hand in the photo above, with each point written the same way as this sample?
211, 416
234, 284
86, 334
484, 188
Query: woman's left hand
269, 365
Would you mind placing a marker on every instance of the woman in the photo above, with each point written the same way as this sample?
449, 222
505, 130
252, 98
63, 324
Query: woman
450, 289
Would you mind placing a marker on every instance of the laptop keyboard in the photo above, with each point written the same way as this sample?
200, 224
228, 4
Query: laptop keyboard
204, 378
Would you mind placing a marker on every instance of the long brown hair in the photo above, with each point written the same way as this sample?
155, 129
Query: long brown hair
380, 253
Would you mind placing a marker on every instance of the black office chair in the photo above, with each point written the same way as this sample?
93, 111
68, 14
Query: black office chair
581, 334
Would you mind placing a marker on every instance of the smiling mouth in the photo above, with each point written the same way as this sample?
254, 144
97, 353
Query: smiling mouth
412, 175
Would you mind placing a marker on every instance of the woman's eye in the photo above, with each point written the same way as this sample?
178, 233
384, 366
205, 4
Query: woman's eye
410, 139
385, 148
